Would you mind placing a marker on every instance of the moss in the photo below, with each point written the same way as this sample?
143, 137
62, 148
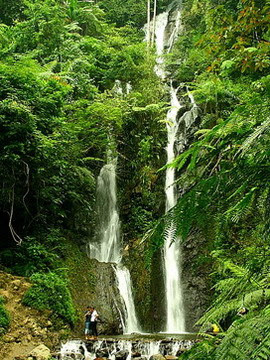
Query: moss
82, 278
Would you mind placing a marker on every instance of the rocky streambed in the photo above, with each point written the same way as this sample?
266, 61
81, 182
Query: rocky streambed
126, 348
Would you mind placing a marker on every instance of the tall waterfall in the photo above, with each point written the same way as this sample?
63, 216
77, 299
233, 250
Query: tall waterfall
107, 248
166, 33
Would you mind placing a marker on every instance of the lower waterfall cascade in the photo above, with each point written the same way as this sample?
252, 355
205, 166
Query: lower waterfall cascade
107, 248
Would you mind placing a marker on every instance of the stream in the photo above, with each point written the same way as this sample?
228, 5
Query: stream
128, 347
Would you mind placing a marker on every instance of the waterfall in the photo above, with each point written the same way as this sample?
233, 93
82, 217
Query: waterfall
172, 247
168, 25
167, 28
175, 320
125, 289
176, 143
107, 248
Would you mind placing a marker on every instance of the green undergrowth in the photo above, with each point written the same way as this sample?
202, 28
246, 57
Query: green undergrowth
4, 317
50, 292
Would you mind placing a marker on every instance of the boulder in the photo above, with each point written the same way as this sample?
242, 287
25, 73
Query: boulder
121, 355
136, 355
180, 352
171, 357
41, 352
102, 353
157, 357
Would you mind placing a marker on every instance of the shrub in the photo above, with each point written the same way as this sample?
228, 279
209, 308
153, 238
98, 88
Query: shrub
40, 253
4, 317
51, 292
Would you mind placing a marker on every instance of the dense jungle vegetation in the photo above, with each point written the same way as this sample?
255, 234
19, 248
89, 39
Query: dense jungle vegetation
60, 108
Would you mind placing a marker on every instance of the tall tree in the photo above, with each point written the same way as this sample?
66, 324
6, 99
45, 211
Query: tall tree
154, 22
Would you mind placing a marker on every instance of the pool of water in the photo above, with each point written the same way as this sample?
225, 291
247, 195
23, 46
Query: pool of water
151, 336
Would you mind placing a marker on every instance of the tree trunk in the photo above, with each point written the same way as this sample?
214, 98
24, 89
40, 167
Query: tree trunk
148, 22
154, 22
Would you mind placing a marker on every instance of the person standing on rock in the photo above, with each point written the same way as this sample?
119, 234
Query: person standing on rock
87, 316
93, 326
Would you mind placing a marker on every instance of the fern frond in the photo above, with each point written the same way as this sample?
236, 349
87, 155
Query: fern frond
264, 127
241, 208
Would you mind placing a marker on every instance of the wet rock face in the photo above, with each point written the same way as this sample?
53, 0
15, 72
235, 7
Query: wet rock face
106, 299
149, 293
196, 280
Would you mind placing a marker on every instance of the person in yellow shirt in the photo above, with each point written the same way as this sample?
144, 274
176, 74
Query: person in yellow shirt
215, 329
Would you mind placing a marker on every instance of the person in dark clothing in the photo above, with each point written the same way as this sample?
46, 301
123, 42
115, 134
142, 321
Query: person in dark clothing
87, 316
93, 324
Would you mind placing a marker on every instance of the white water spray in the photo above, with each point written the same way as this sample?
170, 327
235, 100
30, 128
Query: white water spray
108, 246
78, 350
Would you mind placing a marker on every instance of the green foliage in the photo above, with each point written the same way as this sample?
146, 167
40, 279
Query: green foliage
204, 350
61, 109
36, 254
244, 336
223, 57
11, 11
4, 317
129, 12
50, 292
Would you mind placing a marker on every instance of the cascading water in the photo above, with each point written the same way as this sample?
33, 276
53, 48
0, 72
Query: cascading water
175, 321
115, 349
125, 289
172, 247
166, 32
107, 248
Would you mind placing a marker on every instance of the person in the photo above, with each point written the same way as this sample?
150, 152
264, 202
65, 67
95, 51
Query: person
93, 324
87, 316
213, 329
